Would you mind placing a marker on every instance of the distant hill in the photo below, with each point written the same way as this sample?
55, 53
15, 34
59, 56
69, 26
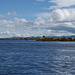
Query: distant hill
34, 37
73, 36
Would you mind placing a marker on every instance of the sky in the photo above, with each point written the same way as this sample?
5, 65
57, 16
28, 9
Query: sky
27, 18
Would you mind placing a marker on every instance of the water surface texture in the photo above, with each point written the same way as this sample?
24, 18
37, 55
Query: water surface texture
20, 57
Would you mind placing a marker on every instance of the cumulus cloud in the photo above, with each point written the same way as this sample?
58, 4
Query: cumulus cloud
39, 27
62, 3
42, 25
55, 23
58, 17
20, 20
64, 15
39, 21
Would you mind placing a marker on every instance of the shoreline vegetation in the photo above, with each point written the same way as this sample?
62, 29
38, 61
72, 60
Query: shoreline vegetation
43, 38
56, 39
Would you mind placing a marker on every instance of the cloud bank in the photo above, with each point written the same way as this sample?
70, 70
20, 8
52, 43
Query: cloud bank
48, 24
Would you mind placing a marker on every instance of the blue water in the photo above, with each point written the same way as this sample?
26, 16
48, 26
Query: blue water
20, 57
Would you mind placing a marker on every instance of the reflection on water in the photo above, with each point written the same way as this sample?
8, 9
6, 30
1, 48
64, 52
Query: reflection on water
21, 57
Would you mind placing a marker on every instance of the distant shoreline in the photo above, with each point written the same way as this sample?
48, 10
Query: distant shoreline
43, 38
56, 39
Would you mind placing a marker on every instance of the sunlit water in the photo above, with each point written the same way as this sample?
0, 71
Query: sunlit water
20, 57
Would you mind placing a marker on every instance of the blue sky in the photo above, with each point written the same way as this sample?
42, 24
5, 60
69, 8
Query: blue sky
37, 18
27, 8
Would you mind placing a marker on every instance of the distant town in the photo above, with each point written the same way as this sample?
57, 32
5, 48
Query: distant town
43, 38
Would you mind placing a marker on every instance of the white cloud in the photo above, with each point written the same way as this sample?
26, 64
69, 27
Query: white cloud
9, 34
44, 15
59, 33
39, 21
61, 15
20, 20
42, 25
66, 15
9, 14
58, 17
37, 32
62, 3
46, 23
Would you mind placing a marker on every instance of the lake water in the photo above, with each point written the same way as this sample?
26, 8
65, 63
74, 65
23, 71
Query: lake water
20, 57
